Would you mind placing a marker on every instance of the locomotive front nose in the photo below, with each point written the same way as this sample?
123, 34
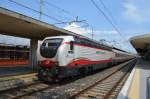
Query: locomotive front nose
47, 70
47, 63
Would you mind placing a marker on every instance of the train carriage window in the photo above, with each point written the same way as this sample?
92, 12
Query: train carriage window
87, 43
83, 42
77, 40
95, 45
91, 43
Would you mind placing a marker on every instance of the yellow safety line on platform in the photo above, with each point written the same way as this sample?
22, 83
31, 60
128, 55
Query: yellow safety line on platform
134, 91
17, 76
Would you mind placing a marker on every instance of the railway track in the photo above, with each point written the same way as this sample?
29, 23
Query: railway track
11, 82
23, 76
108, 87
75, 88
104, 84
19, 92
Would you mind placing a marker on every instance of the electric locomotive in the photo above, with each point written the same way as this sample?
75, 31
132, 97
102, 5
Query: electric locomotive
65, 56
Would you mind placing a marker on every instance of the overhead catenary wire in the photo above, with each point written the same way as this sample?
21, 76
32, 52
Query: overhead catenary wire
106, 17
51, 17
64, 11
108, 11
59, 8
42, 13
110, 14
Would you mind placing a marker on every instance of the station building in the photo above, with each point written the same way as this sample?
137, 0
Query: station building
13, 55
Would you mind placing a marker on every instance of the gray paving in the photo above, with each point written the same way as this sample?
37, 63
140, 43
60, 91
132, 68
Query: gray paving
144, 74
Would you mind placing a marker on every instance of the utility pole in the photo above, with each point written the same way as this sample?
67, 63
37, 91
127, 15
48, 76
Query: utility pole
92, 34
41, 9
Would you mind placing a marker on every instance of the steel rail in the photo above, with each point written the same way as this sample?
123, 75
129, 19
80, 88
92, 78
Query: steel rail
96, 83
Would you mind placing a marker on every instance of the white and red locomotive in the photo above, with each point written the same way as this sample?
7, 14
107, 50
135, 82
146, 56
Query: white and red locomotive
64, 56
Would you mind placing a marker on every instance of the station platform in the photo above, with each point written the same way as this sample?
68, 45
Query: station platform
137, 85
18, 70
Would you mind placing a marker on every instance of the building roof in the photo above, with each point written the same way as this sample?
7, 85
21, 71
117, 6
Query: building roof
15, 24
141, 43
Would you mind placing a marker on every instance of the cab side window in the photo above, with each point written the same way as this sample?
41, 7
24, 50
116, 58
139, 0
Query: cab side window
77, 40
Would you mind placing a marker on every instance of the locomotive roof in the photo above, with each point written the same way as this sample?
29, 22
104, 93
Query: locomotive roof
120, 50
84, 37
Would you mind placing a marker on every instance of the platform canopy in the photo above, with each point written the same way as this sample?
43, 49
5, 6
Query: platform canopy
141, 43
15, 24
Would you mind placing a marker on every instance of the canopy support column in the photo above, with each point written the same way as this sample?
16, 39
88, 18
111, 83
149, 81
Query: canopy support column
33, 54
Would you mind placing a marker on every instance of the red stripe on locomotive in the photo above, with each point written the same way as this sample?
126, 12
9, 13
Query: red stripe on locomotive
81, 62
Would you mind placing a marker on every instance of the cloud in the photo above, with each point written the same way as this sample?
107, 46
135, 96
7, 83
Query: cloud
104, 32
132, 13
76, 28
136, 10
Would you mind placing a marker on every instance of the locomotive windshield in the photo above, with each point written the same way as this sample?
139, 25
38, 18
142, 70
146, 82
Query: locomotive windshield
49, 47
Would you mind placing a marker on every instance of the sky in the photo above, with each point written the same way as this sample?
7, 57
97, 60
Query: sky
131, 17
